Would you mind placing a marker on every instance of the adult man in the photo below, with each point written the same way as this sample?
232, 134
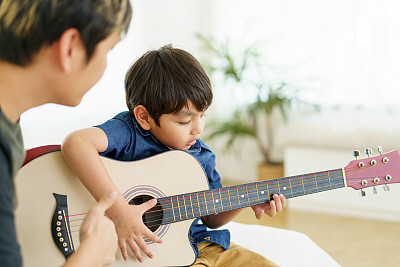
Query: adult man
53, 51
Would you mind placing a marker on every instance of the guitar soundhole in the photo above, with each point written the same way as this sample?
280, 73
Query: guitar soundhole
151, 218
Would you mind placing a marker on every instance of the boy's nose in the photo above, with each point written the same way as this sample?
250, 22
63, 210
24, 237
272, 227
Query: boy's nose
197, 127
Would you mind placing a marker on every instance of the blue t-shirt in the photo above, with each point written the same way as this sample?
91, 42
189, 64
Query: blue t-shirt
128, 141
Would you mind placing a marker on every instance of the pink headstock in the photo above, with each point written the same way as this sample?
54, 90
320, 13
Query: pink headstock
373, 171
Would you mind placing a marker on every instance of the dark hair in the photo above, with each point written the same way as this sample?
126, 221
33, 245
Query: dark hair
28, 25
164, 80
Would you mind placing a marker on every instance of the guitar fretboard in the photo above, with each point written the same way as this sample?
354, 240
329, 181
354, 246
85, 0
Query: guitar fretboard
198, 204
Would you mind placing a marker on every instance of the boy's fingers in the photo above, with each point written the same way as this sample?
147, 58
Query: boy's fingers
149, 204
152, 236
283, 200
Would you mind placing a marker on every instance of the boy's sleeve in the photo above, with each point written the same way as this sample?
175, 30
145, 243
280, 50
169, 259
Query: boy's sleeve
120, 139
214, 178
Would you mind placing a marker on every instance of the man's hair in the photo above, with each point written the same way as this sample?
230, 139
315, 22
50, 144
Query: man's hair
28, 25
164, 80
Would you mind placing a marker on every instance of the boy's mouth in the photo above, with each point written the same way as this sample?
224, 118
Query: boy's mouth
191, 143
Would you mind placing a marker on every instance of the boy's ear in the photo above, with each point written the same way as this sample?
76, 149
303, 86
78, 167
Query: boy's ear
68, 48
142, 116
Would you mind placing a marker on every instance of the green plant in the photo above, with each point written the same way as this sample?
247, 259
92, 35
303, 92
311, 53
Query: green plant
271, 99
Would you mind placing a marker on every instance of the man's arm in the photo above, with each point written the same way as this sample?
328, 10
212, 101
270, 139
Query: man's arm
9, 249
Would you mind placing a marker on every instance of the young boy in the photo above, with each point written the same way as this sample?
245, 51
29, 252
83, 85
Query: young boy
167, 94
53, 51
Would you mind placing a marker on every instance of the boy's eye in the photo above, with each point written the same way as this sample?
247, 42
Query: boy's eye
184, 122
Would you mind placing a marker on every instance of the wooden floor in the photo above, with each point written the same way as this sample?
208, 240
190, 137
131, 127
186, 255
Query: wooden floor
350, 241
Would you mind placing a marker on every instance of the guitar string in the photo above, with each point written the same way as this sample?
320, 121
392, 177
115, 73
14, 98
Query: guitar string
246, 187
348, 170
255, 202
251, 188
325, 187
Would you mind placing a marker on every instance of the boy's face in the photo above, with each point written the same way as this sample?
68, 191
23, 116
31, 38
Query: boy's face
179, 130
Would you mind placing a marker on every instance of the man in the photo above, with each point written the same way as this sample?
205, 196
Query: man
53, 51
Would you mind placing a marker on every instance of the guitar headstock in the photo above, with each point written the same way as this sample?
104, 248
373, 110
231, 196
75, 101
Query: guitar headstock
373, 171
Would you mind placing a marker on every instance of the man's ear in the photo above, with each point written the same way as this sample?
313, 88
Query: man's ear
68, 48
143, 117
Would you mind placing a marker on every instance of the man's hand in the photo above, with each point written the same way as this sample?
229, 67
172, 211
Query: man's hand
98, 231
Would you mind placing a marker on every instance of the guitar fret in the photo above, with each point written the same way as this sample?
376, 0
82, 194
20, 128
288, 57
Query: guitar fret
258, 194
191, 205
329, 179
290, 185
302, 183
198, 203
237, 192
316, 185
179, 207
247, 194
214, 201
279, 188
184, 204
229, 197
220, 198
205, 201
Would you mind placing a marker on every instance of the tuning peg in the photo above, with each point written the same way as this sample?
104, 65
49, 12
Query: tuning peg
380, 150
374, 190
356, 153
362, 192
368, 151
386, 187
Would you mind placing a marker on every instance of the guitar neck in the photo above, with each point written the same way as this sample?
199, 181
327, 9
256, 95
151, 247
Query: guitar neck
198, 204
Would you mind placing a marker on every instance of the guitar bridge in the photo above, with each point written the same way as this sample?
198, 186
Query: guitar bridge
60, 228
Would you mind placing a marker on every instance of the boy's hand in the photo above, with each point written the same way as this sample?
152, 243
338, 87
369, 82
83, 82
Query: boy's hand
131, 230
276, 205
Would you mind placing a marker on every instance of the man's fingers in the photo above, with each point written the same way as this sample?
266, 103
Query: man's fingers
107, 201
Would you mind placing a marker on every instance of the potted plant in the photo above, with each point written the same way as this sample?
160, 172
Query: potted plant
256, 119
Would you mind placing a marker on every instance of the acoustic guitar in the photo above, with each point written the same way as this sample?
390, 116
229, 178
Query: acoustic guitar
52, 201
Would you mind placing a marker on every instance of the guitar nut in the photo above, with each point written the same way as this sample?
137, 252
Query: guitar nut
385, 160
388, 177
376, 180
361, 164
364, 182
373, 162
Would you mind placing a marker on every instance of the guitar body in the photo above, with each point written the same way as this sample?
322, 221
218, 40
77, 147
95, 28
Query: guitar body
166, 174
52, 200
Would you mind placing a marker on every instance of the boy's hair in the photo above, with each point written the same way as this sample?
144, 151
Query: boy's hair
164, 80
28, 25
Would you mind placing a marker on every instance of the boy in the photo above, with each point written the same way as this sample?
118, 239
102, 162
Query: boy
53, 51
167, 94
